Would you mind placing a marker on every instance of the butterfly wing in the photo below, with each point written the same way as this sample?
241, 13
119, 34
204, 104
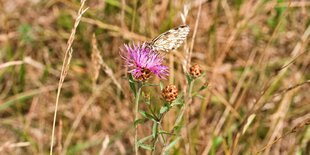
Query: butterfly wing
170, 39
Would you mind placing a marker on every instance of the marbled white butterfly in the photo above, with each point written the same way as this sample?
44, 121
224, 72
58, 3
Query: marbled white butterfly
170, 39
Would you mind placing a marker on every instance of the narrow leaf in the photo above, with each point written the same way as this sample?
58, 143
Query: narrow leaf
171, 145
165, 132
199, 96
148, 115
142, 140
132, 85
164, 109
178, 101
146, 147
204, 86
139, 121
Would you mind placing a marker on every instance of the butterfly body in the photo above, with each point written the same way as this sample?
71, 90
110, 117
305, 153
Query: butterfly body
170, 40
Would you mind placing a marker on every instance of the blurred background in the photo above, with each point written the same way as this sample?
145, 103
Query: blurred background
254, 53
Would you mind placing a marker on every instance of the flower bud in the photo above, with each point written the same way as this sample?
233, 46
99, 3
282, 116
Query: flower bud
170, 93
195, 71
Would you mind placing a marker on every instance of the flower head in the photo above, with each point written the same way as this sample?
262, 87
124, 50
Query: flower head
195, 71
170, 93
142, 62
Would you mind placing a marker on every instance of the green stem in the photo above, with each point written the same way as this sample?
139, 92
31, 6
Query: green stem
180, 116
191, 84
137, 98
190, 89
157, 131
155, 141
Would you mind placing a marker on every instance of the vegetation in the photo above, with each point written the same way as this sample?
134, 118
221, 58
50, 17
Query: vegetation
65, 89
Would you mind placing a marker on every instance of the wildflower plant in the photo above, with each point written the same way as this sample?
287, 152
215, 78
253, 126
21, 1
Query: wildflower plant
143, 63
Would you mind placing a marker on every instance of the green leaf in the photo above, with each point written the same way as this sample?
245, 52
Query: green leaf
164, 109
148, 115
178, 100
215, 144
146, 147
171, 145
143, 113
199, 96
165, 132
139, 121
203, 87
132, 85
142, 140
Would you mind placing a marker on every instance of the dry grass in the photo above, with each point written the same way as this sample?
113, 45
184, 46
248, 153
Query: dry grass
255, 55
65, 69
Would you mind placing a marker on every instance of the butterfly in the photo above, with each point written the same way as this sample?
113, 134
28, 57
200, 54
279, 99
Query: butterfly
170, 40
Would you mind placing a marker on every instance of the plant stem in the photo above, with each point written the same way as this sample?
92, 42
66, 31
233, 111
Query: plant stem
186, 107
154, 142
157, 131
137, 98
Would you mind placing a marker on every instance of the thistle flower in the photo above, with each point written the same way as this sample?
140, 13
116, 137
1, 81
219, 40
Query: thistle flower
143, 62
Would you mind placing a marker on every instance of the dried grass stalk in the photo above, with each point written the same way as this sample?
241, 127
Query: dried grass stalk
65, 68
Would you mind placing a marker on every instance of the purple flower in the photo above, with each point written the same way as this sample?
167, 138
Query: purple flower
142, 62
